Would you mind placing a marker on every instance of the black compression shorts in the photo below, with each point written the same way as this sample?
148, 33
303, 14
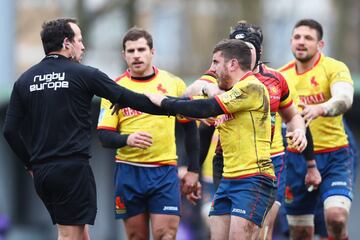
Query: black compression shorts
67, 188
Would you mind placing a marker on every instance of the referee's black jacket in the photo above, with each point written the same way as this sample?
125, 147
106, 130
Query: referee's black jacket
55, 97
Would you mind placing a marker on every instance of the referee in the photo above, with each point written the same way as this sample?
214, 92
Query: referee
55, 97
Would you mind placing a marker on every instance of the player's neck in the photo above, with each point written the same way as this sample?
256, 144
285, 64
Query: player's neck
148, 72
302, 67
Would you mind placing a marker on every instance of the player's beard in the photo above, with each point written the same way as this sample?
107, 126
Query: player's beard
224, 79
303, 59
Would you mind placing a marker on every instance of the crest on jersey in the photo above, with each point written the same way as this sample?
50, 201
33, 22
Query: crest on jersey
313, 82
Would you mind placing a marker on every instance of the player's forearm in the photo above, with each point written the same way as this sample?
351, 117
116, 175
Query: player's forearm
194, 89
111, 139
17, 144
296, 122
341, 99
192, 146
203, 108
139, 102
308, 152
205, 134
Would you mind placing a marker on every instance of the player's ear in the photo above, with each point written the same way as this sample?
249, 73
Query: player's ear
66, 43
123, 54
321, 45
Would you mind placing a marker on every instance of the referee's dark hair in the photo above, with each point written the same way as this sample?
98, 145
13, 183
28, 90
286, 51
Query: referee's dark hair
136, 33
235, 49
311, 23
54, 32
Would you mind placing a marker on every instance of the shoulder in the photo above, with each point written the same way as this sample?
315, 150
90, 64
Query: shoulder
121, 77
164, 73
287, 67
250, 83
331, 64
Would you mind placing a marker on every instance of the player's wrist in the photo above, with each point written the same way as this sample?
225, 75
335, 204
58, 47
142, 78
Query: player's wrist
300, 130
204, 90
311, 164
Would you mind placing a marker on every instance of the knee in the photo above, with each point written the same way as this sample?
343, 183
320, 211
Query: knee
165, 233
336, 218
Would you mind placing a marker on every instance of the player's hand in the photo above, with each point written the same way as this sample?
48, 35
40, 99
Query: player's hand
189, 182
298, 139
311, 112
212, 90
31, 173
115, 108
155, 98
195, 195
312, 178
141, 140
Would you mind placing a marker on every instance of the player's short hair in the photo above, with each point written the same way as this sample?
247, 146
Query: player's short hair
136, 33
311, 23
249, 33
54, 32
235, 49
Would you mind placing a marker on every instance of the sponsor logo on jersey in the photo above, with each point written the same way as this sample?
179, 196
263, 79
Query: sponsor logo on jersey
128, 112
313, 99
223, 118
52, 81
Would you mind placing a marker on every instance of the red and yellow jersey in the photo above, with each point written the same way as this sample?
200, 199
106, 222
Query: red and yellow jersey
280, 98
277, 145
278, 89
313, 87
245, 129
161, 128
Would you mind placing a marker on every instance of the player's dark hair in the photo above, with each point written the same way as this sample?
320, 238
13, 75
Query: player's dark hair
54, 32
248, 33
311, 23
136, 33
235, 49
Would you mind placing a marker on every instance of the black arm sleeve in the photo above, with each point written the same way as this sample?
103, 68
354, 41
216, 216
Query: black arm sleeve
16, 142
205, 135
103, 86
139, 102
12, 126
111, 139
192, 145
308, 153
202, 108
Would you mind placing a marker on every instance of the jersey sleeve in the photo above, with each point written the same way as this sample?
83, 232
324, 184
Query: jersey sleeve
338, 72
242, 97
16, 108
107, 121
209, 77
285, 98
